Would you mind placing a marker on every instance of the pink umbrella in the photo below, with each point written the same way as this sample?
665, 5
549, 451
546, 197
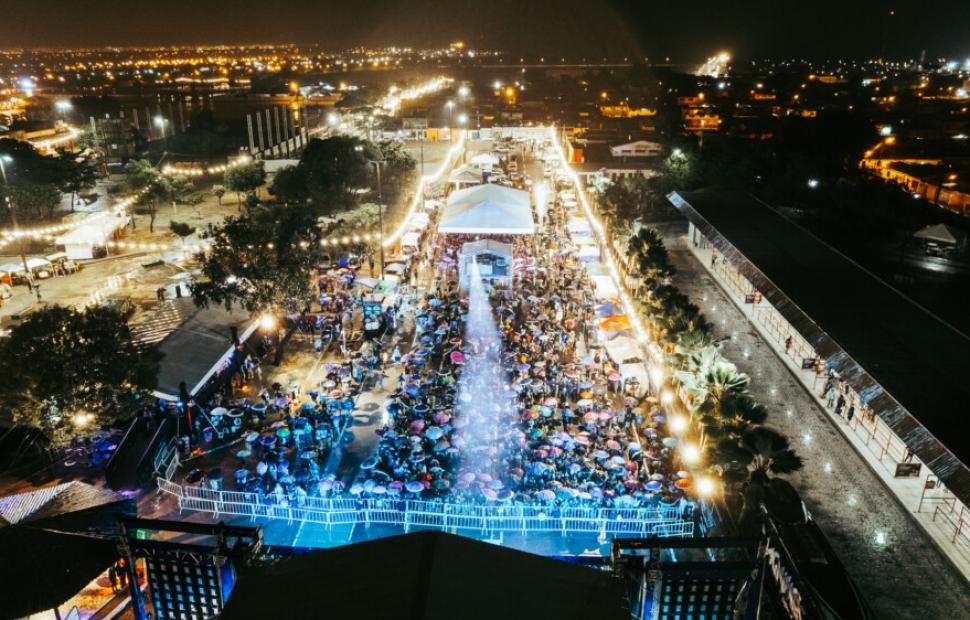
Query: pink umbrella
612, 445
551, 402
605, 416
441, 418
417, 425
457, 357
591, 416
489, 493
397, 484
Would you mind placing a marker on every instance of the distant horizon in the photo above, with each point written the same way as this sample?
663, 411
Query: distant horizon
825, 29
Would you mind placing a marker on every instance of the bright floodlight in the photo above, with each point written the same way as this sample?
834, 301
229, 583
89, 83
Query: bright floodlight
689, 453
678, 424
813, 183
332, 118
462, 118
497, 85
464, 91
63, 105
450, 104
159, 120
706, 486
6, 159
267, 321
724, 57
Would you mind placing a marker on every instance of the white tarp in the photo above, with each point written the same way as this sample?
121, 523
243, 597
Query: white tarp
488, 209
623, 349
604, 286
484, 161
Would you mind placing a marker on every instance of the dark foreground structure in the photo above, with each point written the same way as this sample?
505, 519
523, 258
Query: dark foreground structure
428, 576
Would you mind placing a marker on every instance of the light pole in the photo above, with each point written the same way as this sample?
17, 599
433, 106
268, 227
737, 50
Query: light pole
380, 207
13, 219
451, 112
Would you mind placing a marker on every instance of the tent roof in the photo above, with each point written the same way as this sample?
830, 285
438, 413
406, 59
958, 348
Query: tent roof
43, 568
426, 575
46, 546
487, 245
466, 174
940, 233
488, 209
194, 348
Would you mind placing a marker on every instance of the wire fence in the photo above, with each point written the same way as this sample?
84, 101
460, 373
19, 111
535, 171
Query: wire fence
662, 521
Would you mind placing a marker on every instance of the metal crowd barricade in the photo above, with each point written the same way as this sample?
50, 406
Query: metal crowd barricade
662, 521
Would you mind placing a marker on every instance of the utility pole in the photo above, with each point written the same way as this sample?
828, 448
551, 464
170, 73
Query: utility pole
13, 220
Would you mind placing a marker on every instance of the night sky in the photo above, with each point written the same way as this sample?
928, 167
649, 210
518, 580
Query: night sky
685, 30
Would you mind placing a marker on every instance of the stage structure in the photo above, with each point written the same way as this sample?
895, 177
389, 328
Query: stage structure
494, 260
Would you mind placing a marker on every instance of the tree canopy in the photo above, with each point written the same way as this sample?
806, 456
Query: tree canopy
260, 260
245, 179
332, 172
69, 372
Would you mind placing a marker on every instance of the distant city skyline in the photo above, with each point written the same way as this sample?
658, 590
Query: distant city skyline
685, 32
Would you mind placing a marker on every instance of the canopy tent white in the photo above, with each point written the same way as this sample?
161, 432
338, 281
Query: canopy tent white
589, 252
466, 176
488, 209
37, 263
604, 286
579, 225
431, 205
79, 243
625, 352
939, 233
582, 240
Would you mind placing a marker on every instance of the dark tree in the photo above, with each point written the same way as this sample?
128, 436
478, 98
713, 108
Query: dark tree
69, 372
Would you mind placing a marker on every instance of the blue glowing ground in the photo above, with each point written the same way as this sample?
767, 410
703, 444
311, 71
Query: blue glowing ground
313, 535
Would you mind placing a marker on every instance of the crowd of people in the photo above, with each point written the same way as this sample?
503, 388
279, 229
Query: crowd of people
535, 412
507, 395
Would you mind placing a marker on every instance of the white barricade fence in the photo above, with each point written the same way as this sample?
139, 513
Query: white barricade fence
661, 521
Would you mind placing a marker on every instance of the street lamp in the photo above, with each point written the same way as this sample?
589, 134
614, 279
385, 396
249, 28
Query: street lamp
463, 91
160, 121
451, 107
812, 183
380, 207
462, 118
13, 218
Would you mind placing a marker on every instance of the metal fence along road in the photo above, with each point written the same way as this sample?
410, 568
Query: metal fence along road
662, 521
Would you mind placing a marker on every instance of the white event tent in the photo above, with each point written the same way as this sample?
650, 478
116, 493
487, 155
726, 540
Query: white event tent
487, 209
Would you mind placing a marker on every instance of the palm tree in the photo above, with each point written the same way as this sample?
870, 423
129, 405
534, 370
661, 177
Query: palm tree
749, 463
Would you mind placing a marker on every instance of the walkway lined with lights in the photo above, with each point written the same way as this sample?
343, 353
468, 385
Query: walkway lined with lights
886, 548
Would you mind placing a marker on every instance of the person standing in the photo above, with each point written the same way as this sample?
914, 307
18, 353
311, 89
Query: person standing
839, 405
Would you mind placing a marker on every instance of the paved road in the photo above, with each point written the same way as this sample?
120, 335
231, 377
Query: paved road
898, 569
